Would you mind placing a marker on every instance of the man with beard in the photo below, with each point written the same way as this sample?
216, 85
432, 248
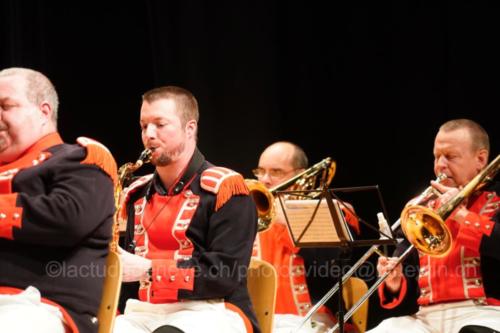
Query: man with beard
56, 213
190, 230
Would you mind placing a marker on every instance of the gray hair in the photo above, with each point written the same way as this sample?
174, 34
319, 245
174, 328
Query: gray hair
479, 136
39, 89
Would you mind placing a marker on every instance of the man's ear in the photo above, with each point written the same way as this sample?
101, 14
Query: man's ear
47, 111
191, 127
482, 158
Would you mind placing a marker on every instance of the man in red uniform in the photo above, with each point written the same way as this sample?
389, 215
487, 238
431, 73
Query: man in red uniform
462, 288
191, 228
56, 213
278, 163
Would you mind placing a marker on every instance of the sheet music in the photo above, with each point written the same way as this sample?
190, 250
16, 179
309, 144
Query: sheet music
322, 227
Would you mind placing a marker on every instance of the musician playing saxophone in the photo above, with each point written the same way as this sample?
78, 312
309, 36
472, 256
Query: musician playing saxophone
190, 230
460, 291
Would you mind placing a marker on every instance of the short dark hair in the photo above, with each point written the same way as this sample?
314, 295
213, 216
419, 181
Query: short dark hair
479, 136
186, 103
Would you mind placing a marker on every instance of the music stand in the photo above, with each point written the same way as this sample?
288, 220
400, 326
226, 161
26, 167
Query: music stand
318, 221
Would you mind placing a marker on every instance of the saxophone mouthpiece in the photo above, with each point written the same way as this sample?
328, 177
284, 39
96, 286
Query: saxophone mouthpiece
145, 156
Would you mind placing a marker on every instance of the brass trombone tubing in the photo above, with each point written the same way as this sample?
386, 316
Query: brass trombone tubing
373, 249
345, 277
372, 289
444, 211
318, 166
261, 193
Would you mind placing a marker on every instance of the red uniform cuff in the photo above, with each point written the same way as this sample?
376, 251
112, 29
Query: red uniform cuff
10, 215
396, 300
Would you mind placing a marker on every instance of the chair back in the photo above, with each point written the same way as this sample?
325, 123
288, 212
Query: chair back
353, 289
262, 285
110, 293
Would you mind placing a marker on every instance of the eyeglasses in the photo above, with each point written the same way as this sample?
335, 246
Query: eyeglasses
273, 173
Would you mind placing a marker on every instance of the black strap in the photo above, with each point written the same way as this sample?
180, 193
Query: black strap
156, 186
193, 167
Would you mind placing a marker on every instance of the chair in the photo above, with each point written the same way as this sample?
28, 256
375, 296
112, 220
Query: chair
353, 289
110, 293
262, 285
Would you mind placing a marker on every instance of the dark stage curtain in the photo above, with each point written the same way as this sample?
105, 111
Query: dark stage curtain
366, 82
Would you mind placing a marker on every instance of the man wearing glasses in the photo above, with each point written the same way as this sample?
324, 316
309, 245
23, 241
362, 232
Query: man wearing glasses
278, 163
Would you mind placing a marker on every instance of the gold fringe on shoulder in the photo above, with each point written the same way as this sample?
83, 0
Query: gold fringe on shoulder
99, 155
232, 185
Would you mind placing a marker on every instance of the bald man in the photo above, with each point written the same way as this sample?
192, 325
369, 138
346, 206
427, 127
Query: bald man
278, 163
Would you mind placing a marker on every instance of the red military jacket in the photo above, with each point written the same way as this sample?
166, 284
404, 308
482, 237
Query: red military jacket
276, 247
199, 235
470, 271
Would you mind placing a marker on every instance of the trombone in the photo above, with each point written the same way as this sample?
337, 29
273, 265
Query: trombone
264, 197
424, 229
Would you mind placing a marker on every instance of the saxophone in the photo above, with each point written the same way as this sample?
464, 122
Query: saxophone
113, 278
124, 176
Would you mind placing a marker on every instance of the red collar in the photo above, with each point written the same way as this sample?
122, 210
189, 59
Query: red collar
33, 152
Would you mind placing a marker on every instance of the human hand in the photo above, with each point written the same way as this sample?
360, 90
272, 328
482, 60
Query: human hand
135, 268
448, 193
395, 278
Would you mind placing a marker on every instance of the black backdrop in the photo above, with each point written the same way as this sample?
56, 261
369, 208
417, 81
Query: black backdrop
367, 83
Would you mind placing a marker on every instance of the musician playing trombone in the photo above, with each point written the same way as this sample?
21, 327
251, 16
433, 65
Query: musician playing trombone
458, 292
278, 163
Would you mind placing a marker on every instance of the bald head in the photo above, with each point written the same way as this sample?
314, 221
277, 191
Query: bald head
279, 162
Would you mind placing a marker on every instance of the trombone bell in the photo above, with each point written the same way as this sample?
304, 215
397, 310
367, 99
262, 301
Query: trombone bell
264, 201
264, 197
426, 231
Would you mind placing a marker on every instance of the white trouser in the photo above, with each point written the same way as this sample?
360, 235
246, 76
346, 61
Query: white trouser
25, 313
286, 323
443, 318
188, 316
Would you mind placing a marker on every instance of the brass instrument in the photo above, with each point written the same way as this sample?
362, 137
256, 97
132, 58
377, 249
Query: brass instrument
426, 230
125, 173
425, 196
420, 223
126, 170
305, 180
113, 279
